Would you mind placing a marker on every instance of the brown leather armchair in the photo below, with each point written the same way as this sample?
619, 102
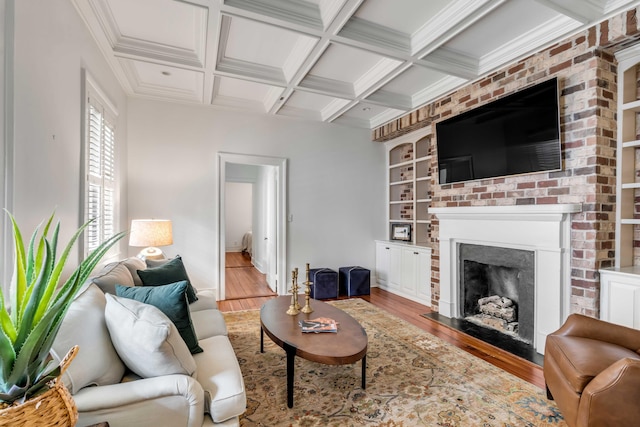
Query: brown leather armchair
592, 371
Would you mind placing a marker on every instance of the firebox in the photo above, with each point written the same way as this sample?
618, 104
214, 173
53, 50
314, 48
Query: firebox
497, 289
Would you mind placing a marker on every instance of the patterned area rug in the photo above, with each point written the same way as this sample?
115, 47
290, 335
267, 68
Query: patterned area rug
413, 379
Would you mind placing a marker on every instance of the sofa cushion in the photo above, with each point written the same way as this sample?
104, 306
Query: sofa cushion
97, 362
134, 264
221, 379
208, 323
146, 339
171, 299
206, 300
111, 275
169, 272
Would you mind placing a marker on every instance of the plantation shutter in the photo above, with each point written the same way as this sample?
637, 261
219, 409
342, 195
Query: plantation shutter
100, 192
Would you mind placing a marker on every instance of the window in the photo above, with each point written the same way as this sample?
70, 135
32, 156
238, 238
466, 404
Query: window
100, 181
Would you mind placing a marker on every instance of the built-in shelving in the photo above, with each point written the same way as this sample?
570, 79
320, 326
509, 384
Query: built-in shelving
627, 215
620, 285
409, 180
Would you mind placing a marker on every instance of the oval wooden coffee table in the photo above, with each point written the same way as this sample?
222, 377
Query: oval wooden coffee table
346, 346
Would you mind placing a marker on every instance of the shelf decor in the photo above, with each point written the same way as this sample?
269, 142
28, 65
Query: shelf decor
401, 232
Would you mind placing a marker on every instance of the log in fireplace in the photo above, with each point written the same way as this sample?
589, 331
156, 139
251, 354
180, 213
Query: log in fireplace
497, 288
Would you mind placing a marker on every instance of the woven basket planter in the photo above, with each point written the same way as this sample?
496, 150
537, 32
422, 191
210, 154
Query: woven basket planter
53, 408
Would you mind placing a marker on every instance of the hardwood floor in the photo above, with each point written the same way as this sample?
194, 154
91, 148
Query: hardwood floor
411, 312
242, 279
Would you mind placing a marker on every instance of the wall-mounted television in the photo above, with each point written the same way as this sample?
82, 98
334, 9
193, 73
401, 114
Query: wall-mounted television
516, 134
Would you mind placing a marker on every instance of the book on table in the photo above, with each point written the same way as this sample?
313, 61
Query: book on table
321, 324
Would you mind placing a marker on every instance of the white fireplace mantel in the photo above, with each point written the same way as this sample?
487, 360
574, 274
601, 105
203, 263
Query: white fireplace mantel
543, 229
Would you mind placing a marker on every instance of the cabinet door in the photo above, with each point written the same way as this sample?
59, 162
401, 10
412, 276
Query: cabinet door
409, 270
620, 300
395, 272
383, 255
424, 277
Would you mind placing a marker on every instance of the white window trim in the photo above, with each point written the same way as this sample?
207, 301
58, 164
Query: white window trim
106, 225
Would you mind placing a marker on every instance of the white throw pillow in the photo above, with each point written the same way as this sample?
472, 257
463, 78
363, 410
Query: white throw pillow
146, 340
97, 362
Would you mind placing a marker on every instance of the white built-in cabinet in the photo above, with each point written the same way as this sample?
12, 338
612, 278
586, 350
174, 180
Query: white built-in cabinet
620, 285
620, 296
405, 270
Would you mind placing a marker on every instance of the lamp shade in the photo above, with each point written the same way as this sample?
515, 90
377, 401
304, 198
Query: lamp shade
151, 232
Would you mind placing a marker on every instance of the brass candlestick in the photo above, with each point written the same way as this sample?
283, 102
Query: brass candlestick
295, 279
307, 294
294, 308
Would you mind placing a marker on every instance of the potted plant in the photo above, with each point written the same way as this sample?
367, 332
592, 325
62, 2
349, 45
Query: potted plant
39, 300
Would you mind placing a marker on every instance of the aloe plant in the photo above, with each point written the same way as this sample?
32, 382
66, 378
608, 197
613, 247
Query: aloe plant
38, 305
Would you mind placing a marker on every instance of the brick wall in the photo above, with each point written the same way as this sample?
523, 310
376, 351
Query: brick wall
586, 71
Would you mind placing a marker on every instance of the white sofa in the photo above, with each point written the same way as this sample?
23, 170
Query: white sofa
210, 393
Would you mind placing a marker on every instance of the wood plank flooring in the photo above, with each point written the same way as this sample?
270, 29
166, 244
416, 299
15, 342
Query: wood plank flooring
411, 312
242, 279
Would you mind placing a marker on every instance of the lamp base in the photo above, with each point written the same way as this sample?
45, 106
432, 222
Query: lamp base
151, 253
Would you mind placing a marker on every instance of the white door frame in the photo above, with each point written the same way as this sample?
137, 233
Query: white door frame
280, 165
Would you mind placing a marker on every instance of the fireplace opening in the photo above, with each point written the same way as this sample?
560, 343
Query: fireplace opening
497, 289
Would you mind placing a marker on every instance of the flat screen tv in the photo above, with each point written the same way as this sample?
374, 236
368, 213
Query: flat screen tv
517, 134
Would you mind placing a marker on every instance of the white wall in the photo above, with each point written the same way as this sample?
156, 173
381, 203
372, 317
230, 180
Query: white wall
52, 46
336, 182
238, 213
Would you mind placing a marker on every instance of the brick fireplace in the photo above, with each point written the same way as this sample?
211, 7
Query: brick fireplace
544, 230
587, 74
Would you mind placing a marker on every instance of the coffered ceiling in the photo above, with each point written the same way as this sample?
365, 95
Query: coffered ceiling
356, 62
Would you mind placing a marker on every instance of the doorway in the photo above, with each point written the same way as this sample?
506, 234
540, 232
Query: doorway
269, 236
246, 210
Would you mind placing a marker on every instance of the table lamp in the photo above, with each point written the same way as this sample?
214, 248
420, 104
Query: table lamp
151, 233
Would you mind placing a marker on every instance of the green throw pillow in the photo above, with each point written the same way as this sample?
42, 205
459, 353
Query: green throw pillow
171, 300
170, 272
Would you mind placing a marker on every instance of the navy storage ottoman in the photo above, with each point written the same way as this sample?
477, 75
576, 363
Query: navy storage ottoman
354, 281
325, 283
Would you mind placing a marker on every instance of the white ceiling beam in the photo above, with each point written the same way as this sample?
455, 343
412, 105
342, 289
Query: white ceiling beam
213, 31
581, 12
297, 12
451, 62
386, 98
453, 19
376, 35
321, 85
455, 26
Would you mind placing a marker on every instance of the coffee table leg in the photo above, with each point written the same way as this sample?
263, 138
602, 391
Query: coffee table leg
261, 340
291, 354
364, 372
